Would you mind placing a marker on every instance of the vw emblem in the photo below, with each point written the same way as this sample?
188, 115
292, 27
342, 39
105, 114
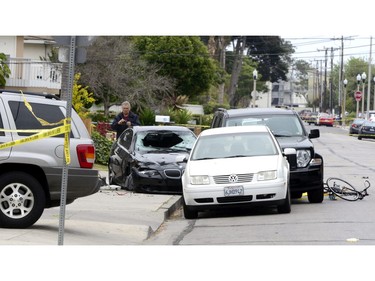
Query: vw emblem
233, 178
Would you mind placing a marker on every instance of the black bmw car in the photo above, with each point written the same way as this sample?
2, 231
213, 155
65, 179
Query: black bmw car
150, 159
367, 130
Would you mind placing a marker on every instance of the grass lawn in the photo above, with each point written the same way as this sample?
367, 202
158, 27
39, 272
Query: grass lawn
100, 167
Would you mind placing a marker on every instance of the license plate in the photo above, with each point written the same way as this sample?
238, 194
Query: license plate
233, 190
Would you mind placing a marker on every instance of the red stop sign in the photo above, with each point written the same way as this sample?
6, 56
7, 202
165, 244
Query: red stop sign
358, 95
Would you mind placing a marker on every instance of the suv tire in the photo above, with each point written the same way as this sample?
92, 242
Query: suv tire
22, 200
316, 195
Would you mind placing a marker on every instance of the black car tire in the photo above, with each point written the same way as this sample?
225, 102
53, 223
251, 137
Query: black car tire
22, 200
189, 213
111, 175
285, 208
359, 137
316, 195
130, 184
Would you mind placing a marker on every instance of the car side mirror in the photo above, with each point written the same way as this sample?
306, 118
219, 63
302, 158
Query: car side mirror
291, 156
314, 133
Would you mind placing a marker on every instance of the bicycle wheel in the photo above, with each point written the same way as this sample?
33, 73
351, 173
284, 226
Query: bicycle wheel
342, 189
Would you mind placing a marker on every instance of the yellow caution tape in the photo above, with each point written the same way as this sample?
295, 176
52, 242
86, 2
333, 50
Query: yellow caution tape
41, 135
44, 133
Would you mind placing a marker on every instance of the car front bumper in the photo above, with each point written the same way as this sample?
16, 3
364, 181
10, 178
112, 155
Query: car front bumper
158, 182
204, 196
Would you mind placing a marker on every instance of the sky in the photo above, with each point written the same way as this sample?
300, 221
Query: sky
311, 27
312, 49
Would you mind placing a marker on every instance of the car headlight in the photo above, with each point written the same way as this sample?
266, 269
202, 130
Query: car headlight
199, 180
266, 175
303, 158
149, 173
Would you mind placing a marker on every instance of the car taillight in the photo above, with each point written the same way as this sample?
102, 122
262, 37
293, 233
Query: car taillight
86, 155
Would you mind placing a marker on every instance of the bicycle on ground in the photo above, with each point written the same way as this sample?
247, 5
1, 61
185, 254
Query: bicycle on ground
344, 190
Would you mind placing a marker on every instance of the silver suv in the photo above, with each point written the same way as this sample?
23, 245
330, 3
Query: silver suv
31, 172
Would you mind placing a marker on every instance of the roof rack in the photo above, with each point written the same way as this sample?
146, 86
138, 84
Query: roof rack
46, 95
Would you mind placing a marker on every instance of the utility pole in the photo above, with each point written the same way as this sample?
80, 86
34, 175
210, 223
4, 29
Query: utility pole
341, 79
320, 86
369, 81
331, 95
331, 83
325, 79
325, 76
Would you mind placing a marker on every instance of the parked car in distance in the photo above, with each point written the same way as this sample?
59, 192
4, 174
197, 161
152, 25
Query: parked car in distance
355, 125
150, 159
290, 131
31, 172
236, 166
311, 118
305, 113
325, 119
367, 130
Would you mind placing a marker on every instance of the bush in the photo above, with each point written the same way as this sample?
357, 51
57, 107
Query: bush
182, 116
147, 116
211, 107
102, 148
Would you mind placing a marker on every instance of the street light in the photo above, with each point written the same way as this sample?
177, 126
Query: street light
254, 94
374, 95
343, 112
363, 76
358, 82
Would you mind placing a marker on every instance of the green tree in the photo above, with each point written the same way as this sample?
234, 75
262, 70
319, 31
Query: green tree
184, 58
270, 54
302, 74
115, 72
353, 67
4, 70
273, 55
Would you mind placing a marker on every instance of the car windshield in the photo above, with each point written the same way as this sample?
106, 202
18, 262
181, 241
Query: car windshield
153, 141
234, 145
280, 125
369, 123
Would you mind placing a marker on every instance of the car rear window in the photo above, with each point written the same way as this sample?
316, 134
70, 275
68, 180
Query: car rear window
280, 125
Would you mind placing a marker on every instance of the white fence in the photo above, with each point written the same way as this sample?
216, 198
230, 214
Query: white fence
34, 73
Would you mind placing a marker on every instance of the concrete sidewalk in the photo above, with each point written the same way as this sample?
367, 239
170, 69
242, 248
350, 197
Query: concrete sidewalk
110, 217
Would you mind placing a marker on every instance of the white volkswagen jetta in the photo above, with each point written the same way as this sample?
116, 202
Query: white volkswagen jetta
236, 166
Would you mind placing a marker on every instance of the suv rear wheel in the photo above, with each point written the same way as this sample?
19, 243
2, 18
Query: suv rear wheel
22, 200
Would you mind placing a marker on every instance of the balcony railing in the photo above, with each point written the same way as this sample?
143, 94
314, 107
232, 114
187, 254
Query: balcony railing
34, 73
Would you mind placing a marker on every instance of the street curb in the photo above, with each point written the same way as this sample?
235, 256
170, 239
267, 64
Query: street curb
168, 207
171, 206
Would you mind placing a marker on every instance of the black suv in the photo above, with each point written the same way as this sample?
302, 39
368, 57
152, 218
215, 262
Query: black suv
306, 174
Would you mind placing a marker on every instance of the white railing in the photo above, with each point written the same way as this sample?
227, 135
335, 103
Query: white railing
34, 73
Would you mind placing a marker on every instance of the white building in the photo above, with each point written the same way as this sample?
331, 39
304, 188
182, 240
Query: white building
29, 65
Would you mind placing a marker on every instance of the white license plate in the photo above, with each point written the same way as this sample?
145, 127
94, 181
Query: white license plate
233, 190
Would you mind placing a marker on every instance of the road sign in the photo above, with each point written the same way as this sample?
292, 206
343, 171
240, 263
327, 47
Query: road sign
358, 95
